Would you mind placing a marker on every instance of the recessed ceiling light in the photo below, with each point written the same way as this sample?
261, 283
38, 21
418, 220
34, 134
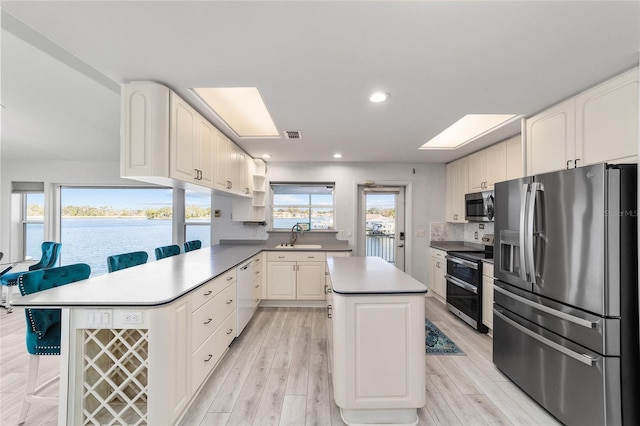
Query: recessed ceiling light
337, 155
379, 97
241, 108
467, 129
266, 156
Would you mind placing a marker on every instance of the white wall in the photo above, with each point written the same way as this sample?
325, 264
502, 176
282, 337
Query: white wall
426, 201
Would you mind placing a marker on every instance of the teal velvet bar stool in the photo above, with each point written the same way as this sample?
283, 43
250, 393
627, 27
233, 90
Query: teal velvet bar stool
43, 326
126, 260
50, 254
192, 245
167, 251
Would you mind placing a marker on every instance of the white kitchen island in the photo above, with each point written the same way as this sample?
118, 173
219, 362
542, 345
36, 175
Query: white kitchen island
378, 340
138, 343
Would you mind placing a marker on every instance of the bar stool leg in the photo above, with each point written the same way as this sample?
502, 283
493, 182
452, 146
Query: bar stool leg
31, 392
34, 362
7, 301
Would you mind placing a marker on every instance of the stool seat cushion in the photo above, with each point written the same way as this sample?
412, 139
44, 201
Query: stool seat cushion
10, 279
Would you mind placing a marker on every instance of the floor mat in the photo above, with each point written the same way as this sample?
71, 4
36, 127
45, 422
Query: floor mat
437, 342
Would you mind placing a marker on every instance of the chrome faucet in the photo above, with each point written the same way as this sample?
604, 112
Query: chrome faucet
294, 235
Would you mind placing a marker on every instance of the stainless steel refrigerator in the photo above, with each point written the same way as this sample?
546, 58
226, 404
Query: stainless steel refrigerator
566, 292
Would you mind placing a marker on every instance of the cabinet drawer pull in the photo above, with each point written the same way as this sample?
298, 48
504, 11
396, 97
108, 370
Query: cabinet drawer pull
280, 257
329, 311
257, 285
230, 331
311, 257
209, 358
208, 293
229, 301
257, 300
229, 278
257, 272
208, 321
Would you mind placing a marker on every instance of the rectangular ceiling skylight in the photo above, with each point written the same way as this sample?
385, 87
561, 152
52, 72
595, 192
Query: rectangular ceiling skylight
241, 108
467, 129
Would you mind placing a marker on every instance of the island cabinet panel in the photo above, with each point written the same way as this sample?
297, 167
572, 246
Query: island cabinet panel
377, 340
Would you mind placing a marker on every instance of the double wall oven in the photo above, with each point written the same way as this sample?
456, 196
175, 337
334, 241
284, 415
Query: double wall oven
464, 285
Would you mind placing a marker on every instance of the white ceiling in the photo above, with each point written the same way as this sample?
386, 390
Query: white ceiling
315, 64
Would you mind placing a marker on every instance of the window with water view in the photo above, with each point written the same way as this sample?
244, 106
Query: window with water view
311, 204
99, 222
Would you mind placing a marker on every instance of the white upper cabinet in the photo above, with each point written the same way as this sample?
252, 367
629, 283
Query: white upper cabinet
456, 187
550, 138
165, 141
476, 172
514, 157
495, 164
607, 121
231, 173
486, 167
144, 145
598, 125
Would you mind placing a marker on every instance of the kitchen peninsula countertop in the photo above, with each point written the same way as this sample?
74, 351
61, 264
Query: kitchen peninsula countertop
370, 275
155, 283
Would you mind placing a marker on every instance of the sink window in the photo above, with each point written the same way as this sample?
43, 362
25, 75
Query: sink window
311, 204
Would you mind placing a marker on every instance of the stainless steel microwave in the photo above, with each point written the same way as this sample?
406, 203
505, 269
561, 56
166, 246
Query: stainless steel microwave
478, 206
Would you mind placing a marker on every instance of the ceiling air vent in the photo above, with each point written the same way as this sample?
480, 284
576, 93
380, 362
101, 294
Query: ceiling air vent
292, 134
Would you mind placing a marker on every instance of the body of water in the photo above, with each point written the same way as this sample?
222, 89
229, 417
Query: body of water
92, 240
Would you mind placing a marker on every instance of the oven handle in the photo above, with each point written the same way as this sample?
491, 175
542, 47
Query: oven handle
546, 309
462, 262
583, 358
462, 284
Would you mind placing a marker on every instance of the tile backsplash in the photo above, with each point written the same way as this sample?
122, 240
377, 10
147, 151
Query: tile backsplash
444, 231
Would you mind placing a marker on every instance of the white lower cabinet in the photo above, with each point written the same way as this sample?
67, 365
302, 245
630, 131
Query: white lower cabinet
378, 356
213, 324
437, 282
296, 275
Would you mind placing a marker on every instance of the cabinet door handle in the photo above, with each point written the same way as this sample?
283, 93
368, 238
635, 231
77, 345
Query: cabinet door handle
209, 358
575, 163
329, 311
208, 293
257, 272
569, 161
208, 321
229, 301
257, 285
230, 331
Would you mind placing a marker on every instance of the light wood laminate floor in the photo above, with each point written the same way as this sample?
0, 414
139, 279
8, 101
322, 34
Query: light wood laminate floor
276, 373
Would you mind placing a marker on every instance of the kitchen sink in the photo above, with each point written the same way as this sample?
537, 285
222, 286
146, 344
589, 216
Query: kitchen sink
298, 246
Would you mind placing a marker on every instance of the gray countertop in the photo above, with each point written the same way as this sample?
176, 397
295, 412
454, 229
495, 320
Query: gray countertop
370, 275
155, 283
456, 246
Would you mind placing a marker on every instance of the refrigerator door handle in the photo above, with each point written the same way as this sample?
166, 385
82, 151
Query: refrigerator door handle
583, 358
537, 306
533, 189
523, 231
